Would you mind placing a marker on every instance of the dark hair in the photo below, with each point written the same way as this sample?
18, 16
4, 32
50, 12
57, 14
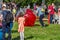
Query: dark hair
21, 14
38, 4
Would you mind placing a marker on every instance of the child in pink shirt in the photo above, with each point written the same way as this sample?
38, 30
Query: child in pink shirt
21, 20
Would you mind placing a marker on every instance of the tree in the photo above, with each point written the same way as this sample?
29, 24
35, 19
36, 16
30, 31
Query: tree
26, 2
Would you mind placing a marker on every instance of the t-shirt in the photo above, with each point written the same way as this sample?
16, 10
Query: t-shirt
39, 11
51, 9
21, 24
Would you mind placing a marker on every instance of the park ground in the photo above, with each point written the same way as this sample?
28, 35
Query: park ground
51, 32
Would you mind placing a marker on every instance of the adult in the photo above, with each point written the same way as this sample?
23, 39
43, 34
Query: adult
5, 23
11, 21
51, 12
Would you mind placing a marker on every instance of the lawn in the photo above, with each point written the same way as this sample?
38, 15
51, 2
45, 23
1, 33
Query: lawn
51, 32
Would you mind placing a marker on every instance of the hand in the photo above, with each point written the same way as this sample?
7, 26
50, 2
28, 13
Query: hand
18, 30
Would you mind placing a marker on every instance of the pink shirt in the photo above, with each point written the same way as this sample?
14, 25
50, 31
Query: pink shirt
21, 24
51, 8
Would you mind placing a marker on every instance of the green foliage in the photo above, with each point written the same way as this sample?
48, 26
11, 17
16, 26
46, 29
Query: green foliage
26, 2
52, 32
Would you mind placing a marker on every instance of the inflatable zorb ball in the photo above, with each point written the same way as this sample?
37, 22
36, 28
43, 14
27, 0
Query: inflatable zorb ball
30, 18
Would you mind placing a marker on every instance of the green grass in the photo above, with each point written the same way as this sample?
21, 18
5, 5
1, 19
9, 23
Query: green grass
52, 32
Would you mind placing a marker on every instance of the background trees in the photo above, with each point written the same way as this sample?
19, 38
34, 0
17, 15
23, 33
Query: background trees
26, 2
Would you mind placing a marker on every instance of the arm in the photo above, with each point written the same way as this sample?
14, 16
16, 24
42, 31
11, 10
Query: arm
37, 11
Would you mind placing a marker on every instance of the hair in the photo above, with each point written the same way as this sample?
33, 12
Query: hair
21, 14
8, 7
3, 7
38, 4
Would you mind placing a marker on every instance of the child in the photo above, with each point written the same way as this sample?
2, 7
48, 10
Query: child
55, 18
59, 14
21, 20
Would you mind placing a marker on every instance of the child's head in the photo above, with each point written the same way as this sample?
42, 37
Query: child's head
21, 14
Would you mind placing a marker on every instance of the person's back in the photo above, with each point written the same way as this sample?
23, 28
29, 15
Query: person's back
4, 12
4, 23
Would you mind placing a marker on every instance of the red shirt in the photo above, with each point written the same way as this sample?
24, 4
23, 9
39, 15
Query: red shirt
51, 9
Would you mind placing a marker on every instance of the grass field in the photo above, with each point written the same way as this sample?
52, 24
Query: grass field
51, 32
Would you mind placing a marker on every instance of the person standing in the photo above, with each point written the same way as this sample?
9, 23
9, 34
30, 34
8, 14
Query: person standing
11, 21
21, 21
51, 12
6, 22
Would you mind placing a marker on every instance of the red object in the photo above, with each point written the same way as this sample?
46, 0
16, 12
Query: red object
29, 18
50, 7
48, 18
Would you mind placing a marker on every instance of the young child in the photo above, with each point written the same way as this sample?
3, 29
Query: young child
55, 18
21, 20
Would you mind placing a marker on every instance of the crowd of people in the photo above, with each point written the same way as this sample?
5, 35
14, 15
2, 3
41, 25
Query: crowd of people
52, 12
9, 13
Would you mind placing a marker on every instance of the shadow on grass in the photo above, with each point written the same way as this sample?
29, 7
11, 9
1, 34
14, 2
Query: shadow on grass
36, 25
40, 25
18, 38
14, 31
30, 37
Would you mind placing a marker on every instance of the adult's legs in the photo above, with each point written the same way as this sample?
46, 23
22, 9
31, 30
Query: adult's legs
11, 25
9, 31
51, 18
3, 29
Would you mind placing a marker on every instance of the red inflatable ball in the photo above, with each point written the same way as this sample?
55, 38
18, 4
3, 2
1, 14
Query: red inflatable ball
29, 18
